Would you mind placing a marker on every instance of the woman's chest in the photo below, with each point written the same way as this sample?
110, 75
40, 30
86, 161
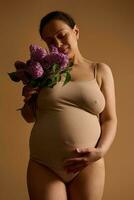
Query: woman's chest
84, 94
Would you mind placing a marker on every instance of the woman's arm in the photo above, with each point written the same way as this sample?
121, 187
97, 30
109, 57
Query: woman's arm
108, 118
28, 110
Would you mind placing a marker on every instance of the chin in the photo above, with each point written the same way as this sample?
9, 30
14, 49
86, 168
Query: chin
69, 53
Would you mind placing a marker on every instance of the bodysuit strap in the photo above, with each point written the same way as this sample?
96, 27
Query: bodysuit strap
95, 70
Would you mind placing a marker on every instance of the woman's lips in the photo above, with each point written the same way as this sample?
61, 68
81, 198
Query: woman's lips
64, 49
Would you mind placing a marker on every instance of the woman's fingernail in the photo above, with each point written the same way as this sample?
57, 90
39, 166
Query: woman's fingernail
78, 150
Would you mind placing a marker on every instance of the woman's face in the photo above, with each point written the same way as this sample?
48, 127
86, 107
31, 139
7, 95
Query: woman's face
61, 35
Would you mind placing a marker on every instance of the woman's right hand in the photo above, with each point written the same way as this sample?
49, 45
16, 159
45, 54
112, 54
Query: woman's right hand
29, 108
28, 92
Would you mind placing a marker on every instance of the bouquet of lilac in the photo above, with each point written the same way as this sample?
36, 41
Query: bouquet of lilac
43, 69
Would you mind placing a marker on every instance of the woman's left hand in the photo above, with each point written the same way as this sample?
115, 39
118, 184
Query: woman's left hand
86, 156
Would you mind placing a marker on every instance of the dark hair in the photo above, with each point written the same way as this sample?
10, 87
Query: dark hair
56, 15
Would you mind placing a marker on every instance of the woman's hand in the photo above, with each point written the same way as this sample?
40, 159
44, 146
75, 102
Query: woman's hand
86, 156
28, 92
28, 110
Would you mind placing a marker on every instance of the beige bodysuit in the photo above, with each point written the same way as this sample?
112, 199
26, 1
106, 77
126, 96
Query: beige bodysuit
67, 117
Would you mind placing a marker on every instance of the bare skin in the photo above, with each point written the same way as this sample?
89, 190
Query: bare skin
44, 184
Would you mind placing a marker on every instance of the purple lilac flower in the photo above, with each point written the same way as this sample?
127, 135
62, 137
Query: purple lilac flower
62, 58
64, 61
35, 69
55, 57
54, 49
37, 53
40, 63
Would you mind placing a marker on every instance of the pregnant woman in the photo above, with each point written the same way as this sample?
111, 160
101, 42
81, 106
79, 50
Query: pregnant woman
74, 125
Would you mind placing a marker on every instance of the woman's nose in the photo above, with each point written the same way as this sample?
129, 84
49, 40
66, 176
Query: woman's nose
58, 43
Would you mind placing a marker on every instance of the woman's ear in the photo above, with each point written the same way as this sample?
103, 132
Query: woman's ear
76, 31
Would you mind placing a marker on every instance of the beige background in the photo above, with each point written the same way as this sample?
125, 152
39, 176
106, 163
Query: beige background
106, 35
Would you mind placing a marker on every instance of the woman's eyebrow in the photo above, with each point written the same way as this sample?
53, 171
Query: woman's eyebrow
55, 33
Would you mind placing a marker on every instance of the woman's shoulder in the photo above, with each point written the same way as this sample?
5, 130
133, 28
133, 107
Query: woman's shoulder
103, 66
104, 70
105, 74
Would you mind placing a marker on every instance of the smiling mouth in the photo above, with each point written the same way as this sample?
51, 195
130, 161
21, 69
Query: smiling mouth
64, 50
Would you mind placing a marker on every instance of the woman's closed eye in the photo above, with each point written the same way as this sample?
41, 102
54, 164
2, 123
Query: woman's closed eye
61, 36
51, 41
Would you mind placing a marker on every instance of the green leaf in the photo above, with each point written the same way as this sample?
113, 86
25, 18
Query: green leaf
33, 83
57, 77
43, 82
67, 77
13, 77
55, 67
51, 84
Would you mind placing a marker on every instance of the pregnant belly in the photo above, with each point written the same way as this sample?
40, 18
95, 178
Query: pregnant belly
57, 133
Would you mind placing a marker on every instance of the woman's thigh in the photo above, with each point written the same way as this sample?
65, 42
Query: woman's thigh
89, 184
43, 184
